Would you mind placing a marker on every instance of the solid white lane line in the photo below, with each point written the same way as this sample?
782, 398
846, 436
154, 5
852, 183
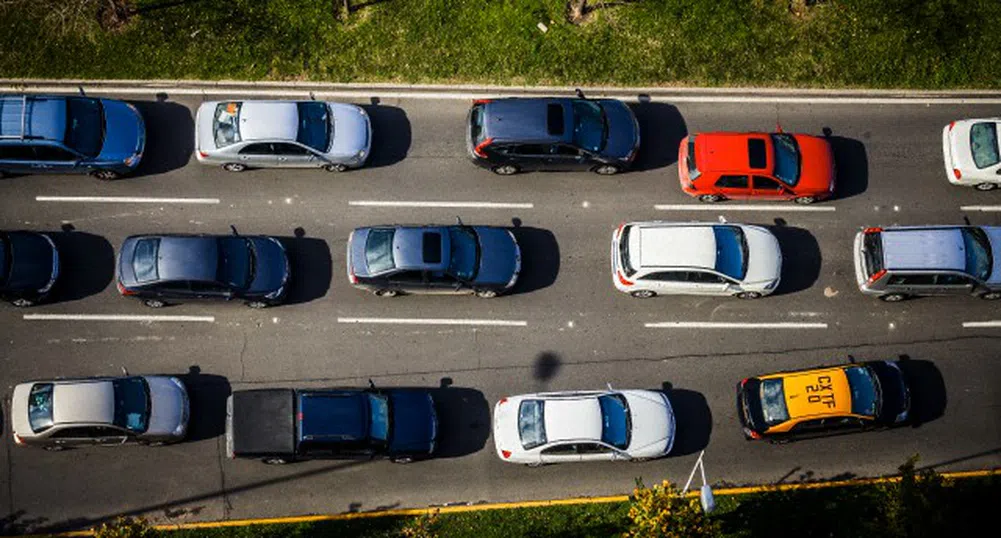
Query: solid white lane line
113, 317
722, 208
476, 205
984, 208
732, 325
432, 321
980, 324
126, 200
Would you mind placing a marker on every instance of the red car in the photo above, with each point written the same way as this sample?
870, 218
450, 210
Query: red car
775, 166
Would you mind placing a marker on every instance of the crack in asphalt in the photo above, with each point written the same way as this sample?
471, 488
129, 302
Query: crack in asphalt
226, 505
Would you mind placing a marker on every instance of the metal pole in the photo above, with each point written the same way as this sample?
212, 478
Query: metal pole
698, 465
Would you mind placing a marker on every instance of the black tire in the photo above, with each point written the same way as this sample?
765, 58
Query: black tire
336, 168
403, 460
893, 297
711, 198
535, 464
606, 170
643, 294
54, 448
257, 305
748, 295
805, 200
154, 303
275, 460
506, 170
991, 295
386, 293
486, 294
234, 167
984, 187
105, 175
785, 441
21, 302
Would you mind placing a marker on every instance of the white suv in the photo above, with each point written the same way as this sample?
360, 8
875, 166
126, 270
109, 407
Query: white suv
695, 258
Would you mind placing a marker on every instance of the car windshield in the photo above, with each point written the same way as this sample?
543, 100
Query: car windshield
532, 424
786, 158
865, 391
315, 128
465, 255
132, 405
226, 124
979, 259
731, 251
236, 261
144, 261
590, 127
624, 251
615, 420
379, 413
773, 401
379, 250
984, 144
85, 125
40, 407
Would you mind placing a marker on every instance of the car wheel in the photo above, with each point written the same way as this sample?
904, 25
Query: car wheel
607, 170
506, 170
893, 297
643, 294
54, 448
335, 168
748, 295
403, 459
779, 441
640, 460
105, 175
534, 464
985, 186
710, 198
22, 302
386, 293
154, 303
257, 304
805, 200
275, 461
486, 294
234, 167
991, 295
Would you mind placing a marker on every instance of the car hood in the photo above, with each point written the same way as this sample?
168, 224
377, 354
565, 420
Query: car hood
764, 262
352, 129
271, 271
170, 409
500, 256
19, 411
623, 129
415, 423
994, 236
816, 165
124, 132
653, 423
32, 257
505, 431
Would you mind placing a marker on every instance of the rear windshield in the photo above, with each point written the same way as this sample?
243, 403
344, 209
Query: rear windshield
85, 125
773, 402
872, 250
132, 405
693, 170
615, 420
226, 124
476, 124
144, 260
979, 259
786, 158
40, 407
379, 250
379, 414
984, 144
865, 391
624, 251
315, 128
531, 423
731, 251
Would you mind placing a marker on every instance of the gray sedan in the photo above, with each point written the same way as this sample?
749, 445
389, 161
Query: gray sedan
282, 134
99, 411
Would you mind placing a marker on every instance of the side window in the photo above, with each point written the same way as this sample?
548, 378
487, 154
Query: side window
763, 183
564, 150
257, 149
289, 149
703, 277
174, 286
911, 280
592, 448
732, 182
16, 153
808, 426
560, 450
943, 279
53, 153
439, 277
207, 287
530, 150
87, 432
667, 276
842, 423
407, 277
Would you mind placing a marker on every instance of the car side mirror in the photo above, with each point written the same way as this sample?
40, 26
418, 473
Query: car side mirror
998, 172
580, 93
233, 228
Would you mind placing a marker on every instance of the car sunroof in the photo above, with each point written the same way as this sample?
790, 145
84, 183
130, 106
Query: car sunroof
431, 247
756, 153
554, 119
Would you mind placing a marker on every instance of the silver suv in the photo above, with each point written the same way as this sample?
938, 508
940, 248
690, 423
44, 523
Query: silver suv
908, 261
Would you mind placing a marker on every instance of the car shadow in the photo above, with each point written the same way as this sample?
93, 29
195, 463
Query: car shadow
170, 137
693, 420
801, 258
540, 258
928, 394
463, 420
207, 394
311, 267
87, 265
661, 129
390, 135
852, 166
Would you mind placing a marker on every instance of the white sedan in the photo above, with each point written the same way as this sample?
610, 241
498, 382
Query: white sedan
972, 154
563, 427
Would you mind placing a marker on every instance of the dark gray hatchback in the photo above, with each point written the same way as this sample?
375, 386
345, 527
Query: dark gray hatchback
159, 269
460, 259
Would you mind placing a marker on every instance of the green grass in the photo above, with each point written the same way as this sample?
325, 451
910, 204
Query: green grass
834, 43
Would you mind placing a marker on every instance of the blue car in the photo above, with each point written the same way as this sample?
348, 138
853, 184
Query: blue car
69, 135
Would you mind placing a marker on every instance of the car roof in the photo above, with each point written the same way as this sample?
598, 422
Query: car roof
421, 247
658, 245
32, 117
333, 415
799, 386
924, 248
269, 120
525, 119
83, 402
188, 258
568, 419
719, 152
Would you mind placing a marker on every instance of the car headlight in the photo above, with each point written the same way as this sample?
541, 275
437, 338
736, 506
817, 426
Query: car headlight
360, 155
771, 285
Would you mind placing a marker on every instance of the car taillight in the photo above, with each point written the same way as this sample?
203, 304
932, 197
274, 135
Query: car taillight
481, 101
744, 382
502, 400
957, 173
299, 416
352, 277
18, 440
506, 453
618, 231
873, 230
877, 275
754, 434
123, 290
951, 125
203, 155
478, 150
623, 280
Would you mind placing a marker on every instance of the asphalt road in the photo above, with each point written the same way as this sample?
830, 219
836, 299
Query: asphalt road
577, 330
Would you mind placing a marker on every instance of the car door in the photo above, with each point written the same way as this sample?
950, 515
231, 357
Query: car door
291, 155
564, 157
440, 282
596, 452
210, 291
667, 282
54, 160
767, 188
412, 281
529, 157
258, 155
16, 158
703, 282
807, 429
560, 453
912, 284
173, 289
72, 436
733, 186
955, 284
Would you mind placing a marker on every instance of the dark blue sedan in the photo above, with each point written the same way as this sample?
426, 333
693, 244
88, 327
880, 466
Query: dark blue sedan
446, 260
29, 267
162, 269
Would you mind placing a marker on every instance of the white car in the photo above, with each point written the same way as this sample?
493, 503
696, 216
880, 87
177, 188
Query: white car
972, 153
695, 258
239, 135
564, 427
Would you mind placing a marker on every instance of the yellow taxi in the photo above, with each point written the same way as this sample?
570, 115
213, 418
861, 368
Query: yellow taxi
823, 401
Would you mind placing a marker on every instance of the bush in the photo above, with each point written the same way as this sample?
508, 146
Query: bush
663, 512
126, 527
